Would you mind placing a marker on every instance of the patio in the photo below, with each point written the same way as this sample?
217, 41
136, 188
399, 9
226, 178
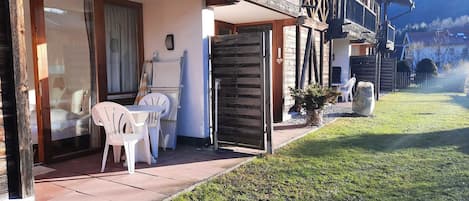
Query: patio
175, 171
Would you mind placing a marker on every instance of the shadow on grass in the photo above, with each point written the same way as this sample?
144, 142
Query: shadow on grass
461, 100
383, 143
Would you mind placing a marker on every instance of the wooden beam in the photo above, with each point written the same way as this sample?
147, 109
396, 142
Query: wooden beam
277, 70
221, 2
21, 95
311, 23
41, 77
281, 6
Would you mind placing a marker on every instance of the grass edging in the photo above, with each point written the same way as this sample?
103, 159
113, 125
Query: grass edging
193, 186
304, 134
190, 188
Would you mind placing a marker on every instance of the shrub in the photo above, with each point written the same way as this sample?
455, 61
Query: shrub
403, 66
427, 66
314, 96
426, 69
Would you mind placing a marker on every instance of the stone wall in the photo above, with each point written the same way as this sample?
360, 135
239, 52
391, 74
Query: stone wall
289, 62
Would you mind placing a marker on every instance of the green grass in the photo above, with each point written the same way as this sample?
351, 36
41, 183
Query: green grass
416, 147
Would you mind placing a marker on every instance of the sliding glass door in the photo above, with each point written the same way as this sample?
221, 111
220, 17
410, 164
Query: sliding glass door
70, 67
67, 77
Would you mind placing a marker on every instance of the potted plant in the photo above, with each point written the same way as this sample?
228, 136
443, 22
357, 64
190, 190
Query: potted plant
312, 99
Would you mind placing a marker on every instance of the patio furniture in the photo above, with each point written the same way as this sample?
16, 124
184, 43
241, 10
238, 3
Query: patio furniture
121, 130
153, 120
346, 90
150, 116
167, 79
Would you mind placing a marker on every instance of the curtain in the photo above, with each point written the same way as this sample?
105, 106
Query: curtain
88, 5
121, 48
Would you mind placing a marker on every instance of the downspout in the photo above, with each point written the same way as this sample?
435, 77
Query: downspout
331, 48
321, 58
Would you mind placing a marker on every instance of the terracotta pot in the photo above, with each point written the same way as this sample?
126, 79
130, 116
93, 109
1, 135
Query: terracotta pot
315, 117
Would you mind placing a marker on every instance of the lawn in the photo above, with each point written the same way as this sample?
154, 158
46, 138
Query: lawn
416, 147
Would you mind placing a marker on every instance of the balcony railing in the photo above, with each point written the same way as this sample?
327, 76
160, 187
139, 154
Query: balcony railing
361, 14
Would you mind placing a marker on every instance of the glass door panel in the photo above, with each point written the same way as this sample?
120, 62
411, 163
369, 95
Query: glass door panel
71, 75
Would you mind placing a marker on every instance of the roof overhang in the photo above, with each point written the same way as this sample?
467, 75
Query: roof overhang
247, 12
408, 3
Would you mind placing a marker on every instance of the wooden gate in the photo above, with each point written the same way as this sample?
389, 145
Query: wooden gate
364, 68
241, 64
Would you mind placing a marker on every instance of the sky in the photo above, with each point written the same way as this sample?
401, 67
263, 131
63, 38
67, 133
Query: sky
429, 10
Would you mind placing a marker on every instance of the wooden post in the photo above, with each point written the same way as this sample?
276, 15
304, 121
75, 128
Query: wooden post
268, 94
298, 56
21, 94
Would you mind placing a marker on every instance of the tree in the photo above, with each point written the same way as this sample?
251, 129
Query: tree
403, 66
427, 66
424, 68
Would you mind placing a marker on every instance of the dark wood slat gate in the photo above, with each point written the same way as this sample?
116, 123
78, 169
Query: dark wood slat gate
364, 68
239, 62
388, 74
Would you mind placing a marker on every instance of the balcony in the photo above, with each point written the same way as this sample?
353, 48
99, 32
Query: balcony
391, 35
360, 14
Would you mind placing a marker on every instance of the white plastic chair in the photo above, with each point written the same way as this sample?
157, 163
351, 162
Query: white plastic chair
346, 90
121, 130
153, 120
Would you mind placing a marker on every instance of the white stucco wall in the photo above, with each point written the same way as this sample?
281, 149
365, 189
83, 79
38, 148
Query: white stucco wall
342, 51
189, 23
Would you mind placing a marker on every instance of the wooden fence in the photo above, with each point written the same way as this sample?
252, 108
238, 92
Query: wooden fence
421, 80
403, 80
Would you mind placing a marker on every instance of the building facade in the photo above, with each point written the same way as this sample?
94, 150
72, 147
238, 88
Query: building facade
69, 55
446, 48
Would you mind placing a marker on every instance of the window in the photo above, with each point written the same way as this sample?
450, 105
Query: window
122, 48
465, 53
451, 51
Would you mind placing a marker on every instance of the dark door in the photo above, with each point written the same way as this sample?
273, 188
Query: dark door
241, 63
277, 69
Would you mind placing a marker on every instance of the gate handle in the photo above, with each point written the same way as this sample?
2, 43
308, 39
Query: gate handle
215, 132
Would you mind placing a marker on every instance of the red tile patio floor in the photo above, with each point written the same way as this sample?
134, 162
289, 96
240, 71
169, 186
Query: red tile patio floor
175, 171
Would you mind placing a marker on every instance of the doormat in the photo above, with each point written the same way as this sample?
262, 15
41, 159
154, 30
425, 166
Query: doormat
39, 170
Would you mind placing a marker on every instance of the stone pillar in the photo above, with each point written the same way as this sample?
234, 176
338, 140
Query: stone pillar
364, 102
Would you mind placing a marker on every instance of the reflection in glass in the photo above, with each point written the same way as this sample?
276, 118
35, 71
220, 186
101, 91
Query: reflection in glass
71, 75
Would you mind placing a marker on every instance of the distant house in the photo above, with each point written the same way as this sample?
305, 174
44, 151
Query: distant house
443, 47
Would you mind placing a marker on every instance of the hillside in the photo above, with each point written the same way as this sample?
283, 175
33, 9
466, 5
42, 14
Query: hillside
430, 10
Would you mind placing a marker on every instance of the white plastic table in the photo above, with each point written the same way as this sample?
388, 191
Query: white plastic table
140, 113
